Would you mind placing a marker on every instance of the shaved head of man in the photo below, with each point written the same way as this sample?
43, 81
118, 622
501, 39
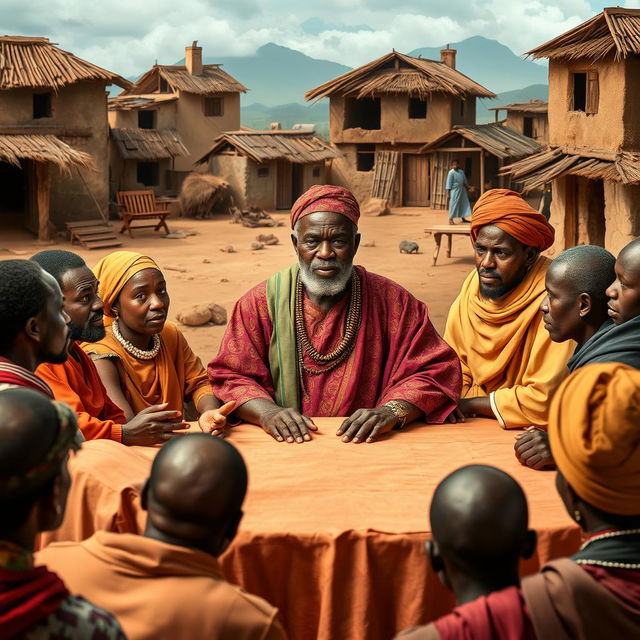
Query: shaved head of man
195, 493
479, 521
624, 292
575, 306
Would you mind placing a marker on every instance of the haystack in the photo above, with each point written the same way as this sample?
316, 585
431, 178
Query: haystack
200, 193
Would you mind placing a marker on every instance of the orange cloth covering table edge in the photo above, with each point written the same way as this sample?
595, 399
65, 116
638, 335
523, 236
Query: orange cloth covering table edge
333, 533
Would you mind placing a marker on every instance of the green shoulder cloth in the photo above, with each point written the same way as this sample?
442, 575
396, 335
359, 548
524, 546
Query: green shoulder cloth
281, 290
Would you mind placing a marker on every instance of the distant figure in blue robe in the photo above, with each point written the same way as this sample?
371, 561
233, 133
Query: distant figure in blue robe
456, 185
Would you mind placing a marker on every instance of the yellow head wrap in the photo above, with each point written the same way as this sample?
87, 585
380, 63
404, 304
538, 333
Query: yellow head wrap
594, 431
115, 270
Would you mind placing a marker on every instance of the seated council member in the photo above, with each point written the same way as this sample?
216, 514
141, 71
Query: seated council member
624, 292
595, 594
325, 338
76, 381
144, 360
510, 366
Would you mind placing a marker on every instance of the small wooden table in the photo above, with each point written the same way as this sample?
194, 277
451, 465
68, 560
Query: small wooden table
448, 230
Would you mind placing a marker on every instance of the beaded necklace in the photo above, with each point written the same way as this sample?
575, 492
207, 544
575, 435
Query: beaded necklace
141, 354
583, 558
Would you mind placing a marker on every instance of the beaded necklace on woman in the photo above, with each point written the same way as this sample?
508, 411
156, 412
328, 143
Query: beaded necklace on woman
141, 354
342, 351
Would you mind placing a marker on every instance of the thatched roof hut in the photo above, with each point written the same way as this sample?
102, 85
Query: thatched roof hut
41, 148
532, 106
148, 144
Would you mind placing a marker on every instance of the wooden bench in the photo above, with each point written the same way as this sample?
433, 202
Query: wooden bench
448, 230
142, 205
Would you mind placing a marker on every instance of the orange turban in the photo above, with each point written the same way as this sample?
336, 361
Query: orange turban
326, 197
115, 270
508, 211
594, 432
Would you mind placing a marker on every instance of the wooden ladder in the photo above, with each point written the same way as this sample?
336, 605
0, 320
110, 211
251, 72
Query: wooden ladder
92, 234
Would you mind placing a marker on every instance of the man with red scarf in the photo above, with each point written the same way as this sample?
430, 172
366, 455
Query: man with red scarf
325, 338
37, 435
34, 324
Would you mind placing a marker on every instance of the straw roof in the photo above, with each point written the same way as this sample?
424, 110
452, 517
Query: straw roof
38, 63
533, 106
212, 80
615, 32
148, 144
396, 73
300, 147
129, 103
555, 162
499, 141
41, 148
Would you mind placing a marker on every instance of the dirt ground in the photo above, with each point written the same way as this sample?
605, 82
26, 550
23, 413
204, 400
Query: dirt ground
197, 271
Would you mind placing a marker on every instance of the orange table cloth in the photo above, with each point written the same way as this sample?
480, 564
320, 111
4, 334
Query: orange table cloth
333, 533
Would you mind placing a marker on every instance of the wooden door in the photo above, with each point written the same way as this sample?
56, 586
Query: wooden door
441, 163
284, 184
415, 180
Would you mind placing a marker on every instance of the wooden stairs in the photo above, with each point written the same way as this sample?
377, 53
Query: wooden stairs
92, 234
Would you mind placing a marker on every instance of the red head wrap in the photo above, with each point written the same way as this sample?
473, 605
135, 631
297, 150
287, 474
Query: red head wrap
508, 211
326, 197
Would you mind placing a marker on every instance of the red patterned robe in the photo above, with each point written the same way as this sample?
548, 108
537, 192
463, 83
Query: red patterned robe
398, 355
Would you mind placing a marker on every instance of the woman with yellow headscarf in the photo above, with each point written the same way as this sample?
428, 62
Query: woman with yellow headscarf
144, 360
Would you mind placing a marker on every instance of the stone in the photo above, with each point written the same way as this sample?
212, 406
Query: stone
256, 246
370, 244
229, 249
223, 280
268, 239
196, 316
206, 261
406, 246
374, 207
218, 314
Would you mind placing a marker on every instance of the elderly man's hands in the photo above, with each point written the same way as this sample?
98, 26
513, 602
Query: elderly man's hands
365, 425
533, 450
287, 424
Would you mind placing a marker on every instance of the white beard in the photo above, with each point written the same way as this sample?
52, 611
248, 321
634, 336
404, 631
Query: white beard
325, 287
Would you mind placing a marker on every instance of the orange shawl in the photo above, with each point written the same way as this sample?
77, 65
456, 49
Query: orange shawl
176, 374
506, 352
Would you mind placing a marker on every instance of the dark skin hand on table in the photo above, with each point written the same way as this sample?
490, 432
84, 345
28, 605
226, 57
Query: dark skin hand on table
502, 263
533, 450
326, 243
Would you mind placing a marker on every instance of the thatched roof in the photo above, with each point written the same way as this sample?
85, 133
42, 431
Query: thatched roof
129, 103
496, 139
37, 63
41, 148
533, 106
396, 73
212, 80
615, 32
148, 144
300, 147
555, 162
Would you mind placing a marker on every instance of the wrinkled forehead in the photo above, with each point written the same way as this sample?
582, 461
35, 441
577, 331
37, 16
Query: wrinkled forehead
143, 279
326, 222
78, 278
491, 235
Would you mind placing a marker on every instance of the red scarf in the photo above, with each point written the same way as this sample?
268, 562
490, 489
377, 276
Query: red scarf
27, 598
14, 374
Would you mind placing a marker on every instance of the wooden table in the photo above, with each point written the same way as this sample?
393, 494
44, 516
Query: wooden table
333, 533
448, 230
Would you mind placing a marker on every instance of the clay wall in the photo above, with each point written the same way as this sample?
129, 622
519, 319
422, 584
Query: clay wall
261, 190
166, 117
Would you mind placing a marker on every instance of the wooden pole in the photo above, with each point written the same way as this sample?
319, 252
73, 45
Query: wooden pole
43, 192
481, 171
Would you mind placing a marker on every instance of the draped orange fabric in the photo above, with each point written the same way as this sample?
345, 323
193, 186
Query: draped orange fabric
594, 432
326, 197
77, 383
505, 351
508, 211
175, 375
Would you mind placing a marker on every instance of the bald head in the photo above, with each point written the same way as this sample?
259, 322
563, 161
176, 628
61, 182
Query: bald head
479, 519
196, 490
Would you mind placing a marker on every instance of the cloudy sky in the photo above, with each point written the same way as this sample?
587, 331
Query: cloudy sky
127, 36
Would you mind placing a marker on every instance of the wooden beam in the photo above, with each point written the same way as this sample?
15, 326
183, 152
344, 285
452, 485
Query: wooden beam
43, 192
51, 130
481, 171
454, 149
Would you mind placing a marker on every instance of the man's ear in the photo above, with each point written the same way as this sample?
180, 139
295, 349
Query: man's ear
231, 531
435, 558
294, 241
584, 304
144, 495
356, 242
532, 255
32, 329
530, 544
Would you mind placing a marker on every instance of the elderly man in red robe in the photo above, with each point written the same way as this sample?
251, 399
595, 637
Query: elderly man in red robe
325, 338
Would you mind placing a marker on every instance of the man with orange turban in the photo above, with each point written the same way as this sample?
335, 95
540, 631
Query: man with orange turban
325, 338
510, 366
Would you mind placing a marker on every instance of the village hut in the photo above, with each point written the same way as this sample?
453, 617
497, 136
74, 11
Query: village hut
383, 113
53, 136
269, 169
528, 118
482, 150
593, 157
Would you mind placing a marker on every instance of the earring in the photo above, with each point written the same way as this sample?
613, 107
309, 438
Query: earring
577, 516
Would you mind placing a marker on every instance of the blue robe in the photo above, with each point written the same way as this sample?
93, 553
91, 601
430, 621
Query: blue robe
459, 206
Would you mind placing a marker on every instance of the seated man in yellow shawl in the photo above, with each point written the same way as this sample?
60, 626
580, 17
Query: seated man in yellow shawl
510, 366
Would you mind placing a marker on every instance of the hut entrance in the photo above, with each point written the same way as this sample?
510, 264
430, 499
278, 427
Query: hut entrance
14, 196
415, 180
288, 183
584, 221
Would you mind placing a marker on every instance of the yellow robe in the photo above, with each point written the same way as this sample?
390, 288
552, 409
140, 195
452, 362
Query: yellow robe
505, 351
